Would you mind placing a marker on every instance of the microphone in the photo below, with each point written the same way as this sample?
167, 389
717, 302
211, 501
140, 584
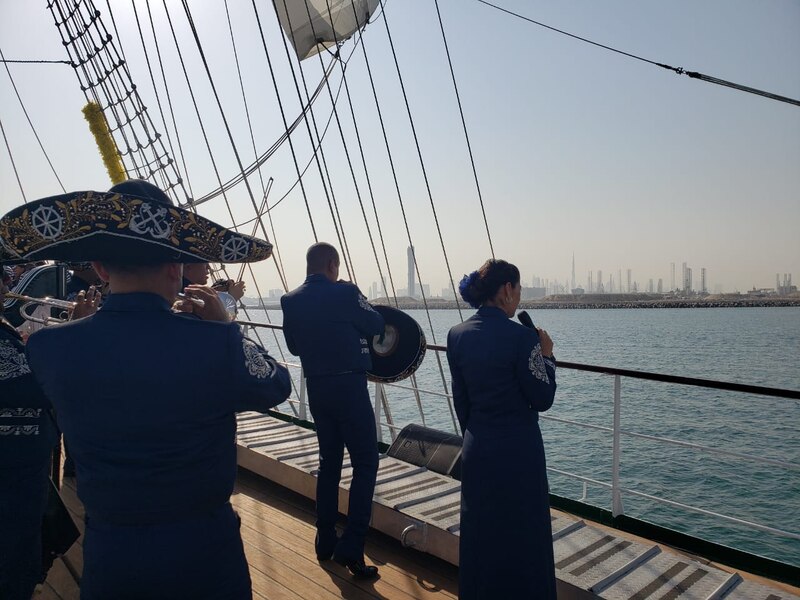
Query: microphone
526, 320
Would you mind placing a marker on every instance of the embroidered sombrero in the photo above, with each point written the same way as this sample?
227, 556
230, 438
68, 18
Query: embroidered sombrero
399, 354
6, 257
133, 223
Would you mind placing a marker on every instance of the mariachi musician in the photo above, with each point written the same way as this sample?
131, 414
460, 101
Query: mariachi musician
27, 437
153, 446
328, 324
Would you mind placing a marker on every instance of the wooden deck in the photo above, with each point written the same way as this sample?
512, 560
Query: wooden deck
278, 533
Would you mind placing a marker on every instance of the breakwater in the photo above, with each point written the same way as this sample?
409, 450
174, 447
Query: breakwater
617, 301
594, 301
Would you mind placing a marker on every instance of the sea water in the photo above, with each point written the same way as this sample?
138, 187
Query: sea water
755, 346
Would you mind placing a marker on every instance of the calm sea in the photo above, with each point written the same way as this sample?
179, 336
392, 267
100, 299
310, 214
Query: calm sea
757, 346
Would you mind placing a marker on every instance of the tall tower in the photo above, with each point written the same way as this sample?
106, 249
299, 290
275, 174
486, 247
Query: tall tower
703, 289
685, 286
572, 281
629, 281
411, 290
600, 282
672, 280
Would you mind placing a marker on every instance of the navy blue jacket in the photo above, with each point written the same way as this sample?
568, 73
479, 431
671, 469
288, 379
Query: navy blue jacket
498, 371
146, 399
27, 431
327, 324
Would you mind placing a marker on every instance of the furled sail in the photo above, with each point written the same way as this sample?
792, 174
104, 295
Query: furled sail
313, 25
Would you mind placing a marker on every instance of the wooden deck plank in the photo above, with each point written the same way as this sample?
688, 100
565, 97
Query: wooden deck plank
383, 550
395, 562
278, 534
299, 542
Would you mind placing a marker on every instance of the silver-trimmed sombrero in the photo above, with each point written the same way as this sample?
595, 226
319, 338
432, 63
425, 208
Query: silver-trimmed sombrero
133, 223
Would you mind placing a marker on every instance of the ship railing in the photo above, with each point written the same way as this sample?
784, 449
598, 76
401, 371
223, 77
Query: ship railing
384, 420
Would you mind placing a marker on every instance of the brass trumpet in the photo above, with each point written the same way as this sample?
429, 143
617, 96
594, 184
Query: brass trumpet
65, 305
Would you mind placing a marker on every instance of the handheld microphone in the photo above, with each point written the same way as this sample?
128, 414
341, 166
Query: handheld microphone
526, 320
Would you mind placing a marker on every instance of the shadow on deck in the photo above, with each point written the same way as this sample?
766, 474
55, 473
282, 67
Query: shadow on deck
278, 533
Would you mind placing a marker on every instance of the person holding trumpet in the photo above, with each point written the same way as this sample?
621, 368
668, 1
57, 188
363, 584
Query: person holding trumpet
154, 446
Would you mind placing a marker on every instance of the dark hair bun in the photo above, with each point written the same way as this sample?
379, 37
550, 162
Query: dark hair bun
467, 289
482, 285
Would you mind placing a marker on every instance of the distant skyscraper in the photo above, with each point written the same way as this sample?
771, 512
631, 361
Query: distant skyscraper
687, 279
650, 285
600, 282
686, 288
590, 284
572, 280
672, 280
629, 281
703, 288
411, 290
660, 285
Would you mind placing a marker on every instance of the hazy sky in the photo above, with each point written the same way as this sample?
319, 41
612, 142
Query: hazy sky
578, 150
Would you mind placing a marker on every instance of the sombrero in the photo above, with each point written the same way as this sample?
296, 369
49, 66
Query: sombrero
399, 354
133, 223
6, 257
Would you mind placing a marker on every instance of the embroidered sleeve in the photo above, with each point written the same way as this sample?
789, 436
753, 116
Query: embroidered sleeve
12, 362
364, 304
255, 362
536, 363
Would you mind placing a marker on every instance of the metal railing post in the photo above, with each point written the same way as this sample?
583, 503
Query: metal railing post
616, 495
302, 395
378, 428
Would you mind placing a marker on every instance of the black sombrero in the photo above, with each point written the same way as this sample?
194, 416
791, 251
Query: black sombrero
402, 349
6, 257
133, 223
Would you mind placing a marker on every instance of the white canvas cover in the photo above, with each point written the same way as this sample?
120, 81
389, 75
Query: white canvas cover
331, 21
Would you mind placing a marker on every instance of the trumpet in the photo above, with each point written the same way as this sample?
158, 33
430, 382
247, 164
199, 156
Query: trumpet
65, 305
47, 301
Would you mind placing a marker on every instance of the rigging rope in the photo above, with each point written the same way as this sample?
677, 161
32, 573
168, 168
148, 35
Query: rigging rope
264, 189
33, 129
13, 164
221, 112
311, 160
97, 74
678, 70
464, 125
153, 80
169, 103
270, 151
360, 147
424, 172
39, 62
283, 116
326, 187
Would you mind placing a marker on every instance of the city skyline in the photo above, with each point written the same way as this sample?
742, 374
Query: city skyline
694, 278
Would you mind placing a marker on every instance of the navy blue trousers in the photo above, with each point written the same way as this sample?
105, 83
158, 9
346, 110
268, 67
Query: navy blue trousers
344, 418
23, 498
198, 558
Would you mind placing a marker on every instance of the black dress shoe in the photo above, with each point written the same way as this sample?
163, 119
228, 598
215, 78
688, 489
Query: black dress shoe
358, 568
325, 550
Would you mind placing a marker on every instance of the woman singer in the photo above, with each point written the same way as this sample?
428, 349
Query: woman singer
503, 375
